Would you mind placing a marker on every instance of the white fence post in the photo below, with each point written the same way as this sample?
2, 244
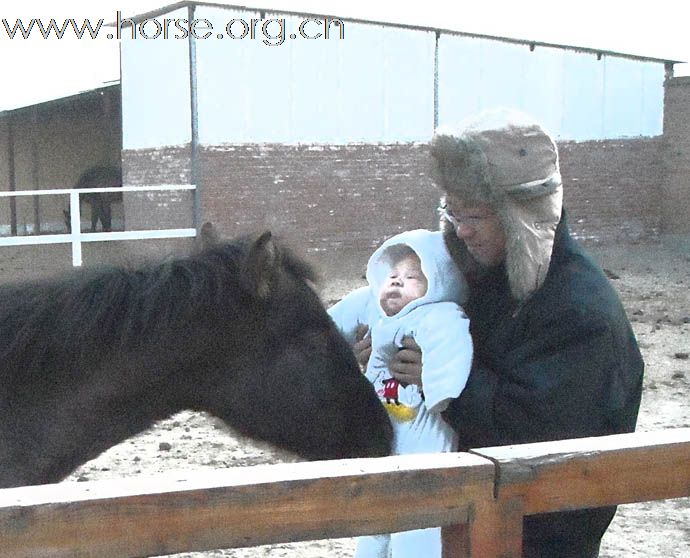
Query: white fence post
75, 224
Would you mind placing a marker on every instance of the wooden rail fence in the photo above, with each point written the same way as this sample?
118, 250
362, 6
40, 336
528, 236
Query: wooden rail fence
479, 498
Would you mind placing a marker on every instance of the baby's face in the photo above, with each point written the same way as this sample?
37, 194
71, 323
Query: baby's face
405, 283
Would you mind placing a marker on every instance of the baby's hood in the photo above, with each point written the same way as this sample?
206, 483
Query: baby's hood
445, 282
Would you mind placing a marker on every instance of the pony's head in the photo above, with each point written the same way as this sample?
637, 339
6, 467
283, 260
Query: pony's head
291, 378
101, 176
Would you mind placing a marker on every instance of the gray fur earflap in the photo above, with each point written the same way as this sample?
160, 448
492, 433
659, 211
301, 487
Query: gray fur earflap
459, 166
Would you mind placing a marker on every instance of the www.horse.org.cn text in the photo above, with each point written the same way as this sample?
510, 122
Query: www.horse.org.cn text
271, 32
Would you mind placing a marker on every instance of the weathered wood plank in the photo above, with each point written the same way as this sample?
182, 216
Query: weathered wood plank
242, 507
494, 530
590, 472
292, 502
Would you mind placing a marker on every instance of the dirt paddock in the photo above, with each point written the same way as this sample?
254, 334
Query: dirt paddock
653, 280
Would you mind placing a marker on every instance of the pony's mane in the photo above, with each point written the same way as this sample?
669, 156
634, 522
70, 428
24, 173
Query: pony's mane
108, 307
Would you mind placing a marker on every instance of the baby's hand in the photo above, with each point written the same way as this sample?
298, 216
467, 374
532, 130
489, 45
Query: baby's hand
406, 365
362, 346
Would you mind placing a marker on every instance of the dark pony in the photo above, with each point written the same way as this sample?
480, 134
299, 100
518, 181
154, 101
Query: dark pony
101, 210
93, 357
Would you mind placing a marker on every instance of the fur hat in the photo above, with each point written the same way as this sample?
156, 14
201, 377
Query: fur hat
507, 160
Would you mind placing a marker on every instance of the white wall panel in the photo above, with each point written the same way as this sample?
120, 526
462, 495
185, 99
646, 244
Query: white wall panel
653, 77
374, 85
544, 86
232, 85
573, 93
503, 74
622, 97
633, 97
583, 96
476, 74
459, 69
155, 89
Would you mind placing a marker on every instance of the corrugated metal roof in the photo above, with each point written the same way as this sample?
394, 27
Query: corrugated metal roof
363, 18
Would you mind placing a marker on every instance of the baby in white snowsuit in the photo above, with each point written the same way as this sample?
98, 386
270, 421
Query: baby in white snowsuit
415, 289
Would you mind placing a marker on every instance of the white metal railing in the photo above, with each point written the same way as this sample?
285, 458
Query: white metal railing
76, 237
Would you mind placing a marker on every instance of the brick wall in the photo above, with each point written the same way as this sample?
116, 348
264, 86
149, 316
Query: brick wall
612, 188
157, 210
335, 203
676, 156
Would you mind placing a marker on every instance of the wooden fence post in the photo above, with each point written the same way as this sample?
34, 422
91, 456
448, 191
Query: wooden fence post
494, 530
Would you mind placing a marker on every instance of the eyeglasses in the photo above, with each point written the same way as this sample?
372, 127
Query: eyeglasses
474, 221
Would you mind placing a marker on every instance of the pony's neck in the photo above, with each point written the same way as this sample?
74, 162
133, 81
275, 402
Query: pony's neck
48, 445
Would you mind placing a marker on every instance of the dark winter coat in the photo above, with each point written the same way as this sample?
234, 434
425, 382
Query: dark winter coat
563, 364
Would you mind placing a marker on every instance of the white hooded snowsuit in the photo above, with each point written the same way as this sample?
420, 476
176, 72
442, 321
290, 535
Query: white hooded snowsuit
439, 326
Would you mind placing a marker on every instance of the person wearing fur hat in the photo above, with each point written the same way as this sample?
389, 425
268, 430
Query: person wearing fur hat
414, 287
555, 356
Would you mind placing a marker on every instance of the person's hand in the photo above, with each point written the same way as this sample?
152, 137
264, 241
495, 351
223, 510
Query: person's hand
362, 346
406, 364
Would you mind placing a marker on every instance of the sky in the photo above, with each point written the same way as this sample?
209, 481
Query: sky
35, 69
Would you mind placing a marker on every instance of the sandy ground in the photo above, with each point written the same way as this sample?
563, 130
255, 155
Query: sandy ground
653, 280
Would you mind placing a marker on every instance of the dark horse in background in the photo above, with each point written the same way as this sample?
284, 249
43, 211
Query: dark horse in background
93, 357
101, 203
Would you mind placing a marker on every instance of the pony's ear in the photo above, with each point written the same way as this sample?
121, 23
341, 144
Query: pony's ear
261, 264
208, 236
